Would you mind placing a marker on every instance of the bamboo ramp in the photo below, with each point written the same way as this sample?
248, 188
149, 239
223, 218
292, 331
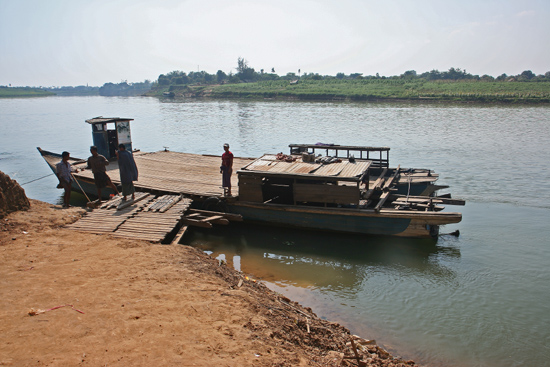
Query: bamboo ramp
174, 173
158, 218
102, 220
149, 217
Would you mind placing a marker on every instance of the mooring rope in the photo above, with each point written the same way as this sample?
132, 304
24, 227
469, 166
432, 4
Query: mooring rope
37, 179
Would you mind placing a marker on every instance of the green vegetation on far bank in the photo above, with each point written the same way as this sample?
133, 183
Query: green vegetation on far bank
373, 90
10, 92
453, 85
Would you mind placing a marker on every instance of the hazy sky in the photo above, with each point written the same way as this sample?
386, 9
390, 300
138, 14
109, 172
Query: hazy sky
79, 42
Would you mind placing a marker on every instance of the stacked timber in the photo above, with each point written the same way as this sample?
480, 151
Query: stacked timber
163, 203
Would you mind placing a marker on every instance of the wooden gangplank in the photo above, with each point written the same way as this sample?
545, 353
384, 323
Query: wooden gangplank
157, 220
149, 218
107, 219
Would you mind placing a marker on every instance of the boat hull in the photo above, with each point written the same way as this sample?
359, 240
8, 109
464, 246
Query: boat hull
79, 184
387, 222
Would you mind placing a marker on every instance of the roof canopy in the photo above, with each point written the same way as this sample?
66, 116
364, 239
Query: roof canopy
344, 170
103, 120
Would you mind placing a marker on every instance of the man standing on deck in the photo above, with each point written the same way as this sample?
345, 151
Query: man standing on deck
63, 170
226, 170
128, 171
97, 163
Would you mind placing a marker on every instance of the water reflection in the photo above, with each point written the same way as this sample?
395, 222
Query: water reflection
341, 263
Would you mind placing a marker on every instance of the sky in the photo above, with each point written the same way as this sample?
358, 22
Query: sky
92, 42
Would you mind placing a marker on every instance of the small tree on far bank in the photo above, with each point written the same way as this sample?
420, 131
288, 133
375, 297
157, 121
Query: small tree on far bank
221, 76
244, 72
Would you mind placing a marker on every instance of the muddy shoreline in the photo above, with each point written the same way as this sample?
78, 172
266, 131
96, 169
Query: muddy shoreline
71, 298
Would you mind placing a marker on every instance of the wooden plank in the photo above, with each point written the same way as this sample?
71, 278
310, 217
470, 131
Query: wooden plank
221, 221
139, 237
197, 223
216, 219
390, 181
377, 184
209, 219
229, 216
435, 199
150, 229
386, 188
127, 203
179, 236
137, 230
161, 234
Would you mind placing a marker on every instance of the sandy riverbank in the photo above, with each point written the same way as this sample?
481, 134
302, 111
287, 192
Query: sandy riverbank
135, 303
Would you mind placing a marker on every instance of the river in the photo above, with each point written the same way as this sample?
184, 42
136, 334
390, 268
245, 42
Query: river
482, 299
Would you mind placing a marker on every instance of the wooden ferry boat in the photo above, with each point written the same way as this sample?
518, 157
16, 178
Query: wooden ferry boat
352, 189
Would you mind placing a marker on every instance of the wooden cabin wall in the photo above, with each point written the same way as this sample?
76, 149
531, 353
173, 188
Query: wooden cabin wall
250, 188
330, 194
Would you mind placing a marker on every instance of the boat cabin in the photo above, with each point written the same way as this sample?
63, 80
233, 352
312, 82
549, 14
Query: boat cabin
109, 132
291, 180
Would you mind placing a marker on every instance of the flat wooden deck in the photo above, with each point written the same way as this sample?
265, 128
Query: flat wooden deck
178, 173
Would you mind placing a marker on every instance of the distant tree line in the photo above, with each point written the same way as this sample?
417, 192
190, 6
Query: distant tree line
108, 89
246, 74
125, 89
458, 74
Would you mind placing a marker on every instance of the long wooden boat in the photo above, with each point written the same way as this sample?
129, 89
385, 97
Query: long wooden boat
288, 191
332, 192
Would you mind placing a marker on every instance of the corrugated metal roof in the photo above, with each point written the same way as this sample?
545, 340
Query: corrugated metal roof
331, 169
261, 165
301, 167
344, 169
355, 169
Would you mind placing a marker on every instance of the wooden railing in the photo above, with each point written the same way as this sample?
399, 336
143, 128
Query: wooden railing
380, 156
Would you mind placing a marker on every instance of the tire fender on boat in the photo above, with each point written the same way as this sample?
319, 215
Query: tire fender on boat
214, 204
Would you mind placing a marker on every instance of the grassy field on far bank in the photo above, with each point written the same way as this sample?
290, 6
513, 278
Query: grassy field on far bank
10, 92
376, 89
